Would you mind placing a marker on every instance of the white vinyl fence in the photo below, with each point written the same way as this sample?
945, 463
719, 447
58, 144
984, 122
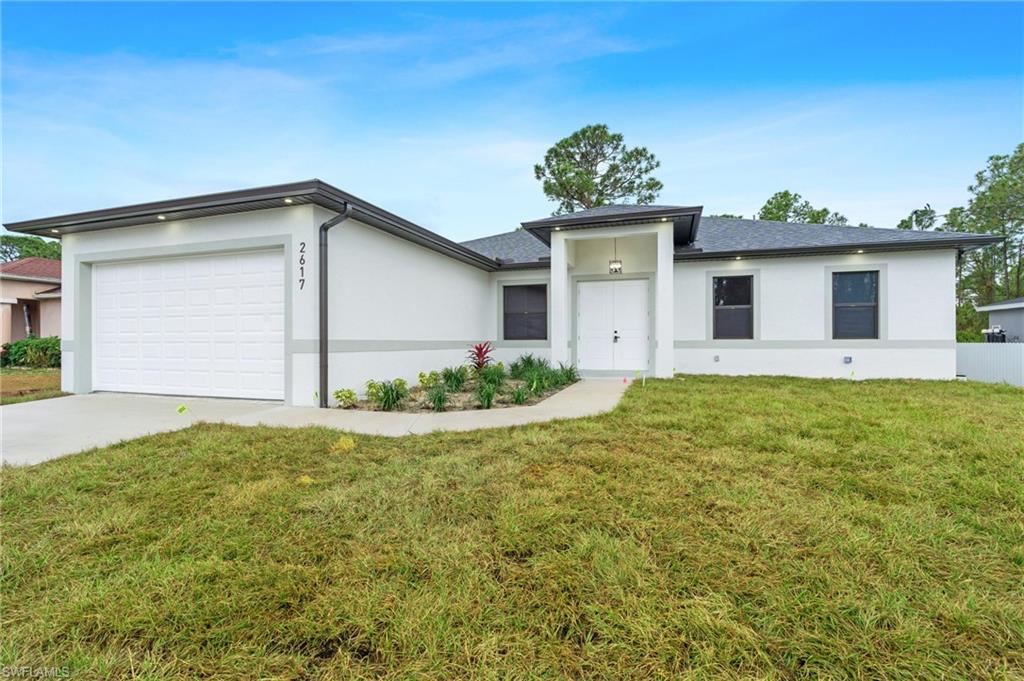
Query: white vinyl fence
991, 362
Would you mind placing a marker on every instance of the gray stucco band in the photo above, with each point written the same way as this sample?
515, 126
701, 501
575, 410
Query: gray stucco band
385, 345
866, 344
83, 263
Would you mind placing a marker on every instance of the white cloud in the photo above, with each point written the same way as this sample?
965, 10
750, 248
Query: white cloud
115, 129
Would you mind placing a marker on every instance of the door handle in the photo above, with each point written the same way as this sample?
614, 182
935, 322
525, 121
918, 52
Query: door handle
615, 336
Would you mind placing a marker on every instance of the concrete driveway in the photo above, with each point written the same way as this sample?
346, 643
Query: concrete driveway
33, 432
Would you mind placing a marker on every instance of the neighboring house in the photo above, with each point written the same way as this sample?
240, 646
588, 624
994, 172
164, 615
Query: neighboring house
1009, 316
30, 298
231, 295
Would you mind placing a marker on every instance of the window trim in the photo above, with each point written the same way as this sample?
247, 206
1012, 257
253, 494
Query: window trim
881, 309
755, 302
501, 285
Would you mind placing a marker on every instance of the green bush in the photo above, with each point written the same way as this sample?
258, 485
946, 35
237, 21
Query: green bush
526, 364
971, 336
493, 374
537, 380
32, 351
429, 380
346, 398
519, 395
373, 390
437, 397
569, 373
454, 378
485, 393
388, 395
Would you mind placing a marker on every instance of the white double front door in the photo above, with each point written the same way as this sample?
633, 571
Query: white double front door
613, 327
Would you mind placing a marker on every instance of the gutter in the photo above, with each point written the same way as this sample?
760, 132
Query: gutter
345, 213
842, 249
22, 277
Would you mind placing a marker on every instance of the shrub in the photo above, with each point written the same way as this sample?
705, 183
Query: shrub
479, 355
454, 378
389, 395
32, 351
525, 364
519, 395
493, 375
429, 380
537, 380
346, 398
569, 373
485, 393
972, 336
373, 390
437, 397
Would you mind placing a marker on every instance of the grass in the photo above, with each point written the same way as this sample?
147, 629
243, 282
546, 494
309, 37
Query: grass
25, 385
708, 527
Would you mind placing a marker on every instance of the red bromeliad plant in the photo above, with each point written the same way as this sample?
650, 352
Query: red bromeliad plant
479, 355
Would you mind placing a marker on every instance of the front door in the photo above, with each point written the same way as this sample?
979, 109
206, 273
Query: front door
613, 325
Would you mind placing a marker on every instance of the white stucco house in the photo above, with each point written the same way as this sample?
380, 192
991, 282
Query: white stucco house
289, 292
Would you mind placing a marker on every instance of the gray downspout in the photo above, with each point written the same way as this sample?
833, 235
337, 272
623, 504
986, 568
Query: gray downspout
336, 220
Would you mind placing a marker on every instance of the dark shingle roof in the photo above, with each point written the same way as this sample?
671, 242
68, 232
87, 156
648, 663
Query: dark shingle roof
519, 246
718, 237
733, 234
612, 210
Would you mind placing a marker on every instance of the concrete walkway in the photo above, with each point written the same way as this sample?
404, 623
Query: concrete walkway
586, 398
33, 432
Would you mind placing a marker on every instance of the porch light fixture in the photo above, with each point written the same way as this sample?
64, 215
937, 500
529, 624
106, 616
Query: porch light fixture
161, 217
55, 231
860, 250
739, 257
288, 200
615, 265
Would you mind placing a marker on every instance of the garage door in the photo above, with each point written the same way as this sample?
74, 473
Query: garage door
209, 325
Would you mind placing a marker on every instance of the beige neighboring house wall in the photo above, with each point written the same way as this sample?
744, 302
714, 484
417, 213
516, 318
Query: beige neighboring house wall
40, 296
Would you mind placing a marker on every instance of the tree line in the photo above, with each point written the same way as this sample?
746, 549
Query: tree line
594, 167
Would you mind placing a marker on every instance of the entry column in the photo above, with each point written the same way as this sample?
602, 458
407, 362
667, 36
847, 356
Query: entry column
664, 304
559, 299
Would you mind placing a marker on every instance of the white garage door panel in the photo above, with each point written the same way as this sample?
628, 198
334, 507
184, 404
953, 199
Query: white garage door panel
207, 325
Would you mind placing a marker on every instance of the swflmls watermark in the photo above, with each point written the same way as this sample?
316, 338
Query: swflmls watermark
26, 672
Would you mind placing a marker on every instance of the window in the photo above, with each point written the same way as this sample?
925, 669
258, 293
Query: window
525, 311
733, 299
855, 304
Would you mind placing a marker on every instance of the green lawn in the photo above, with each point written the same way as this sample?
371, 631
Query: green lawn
708, 527
18, 384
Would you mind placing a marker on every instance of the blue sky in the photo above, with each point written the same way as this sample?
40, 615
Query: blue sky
439, 111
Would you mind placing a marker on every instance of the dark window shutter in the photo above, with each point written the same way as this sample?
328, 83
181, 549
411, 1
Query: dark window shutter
733, 300
525, 311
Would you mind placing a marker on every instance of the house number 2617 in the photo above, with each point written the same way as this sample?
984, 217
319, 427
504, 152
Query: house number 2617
302, 265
